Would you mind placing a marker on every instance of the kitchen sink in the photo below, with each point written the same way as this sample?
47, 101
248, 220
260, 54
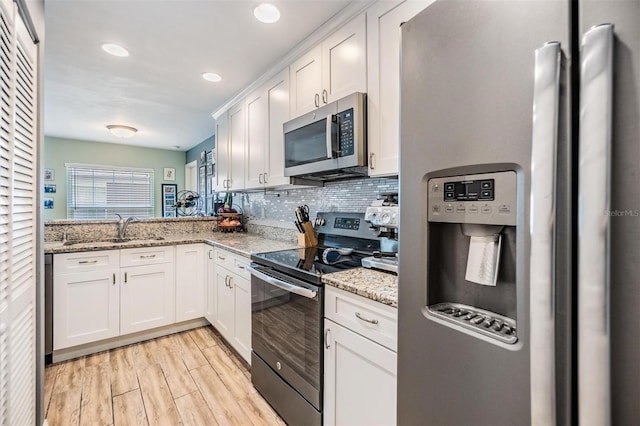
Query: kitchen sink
114, 241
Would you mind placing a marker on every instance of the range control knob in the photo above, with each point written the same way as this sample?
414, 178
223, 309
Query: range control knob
278, 365
386, 218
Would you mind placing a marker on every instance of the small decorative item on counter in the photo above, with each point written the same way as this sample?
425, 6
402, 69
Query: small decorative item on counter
229, 220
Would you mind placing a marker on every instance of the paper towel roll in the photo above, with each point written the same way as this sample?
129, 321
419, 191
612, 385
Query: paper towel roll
484, 259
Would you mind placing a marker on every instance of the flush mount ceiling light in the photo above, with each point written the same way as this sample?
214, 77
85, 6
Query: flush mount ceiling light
122, 131
211, 76
115, 50
266, 13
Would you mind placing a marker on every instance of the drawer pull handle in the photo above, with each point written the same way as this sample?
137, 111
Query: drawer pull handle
360, 317
241, 266
148, 256
221, 258
87, 262
114, 278
210, 254
125, 277
327, 337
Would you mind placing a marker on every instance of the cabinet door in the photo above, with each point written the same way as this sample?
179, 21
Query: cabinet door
85, 307
242, 316
147, 297
306, 82
344, 61
222, 153
224, 304
360, 379
257, 142
236, 151
210, 310
278, 100
383, 97
190, 281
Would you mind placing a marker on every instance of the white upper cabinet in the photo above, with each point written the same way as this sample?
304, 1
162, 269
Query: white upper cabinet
257, 142
306, 82
278, 100
267, 109
344, 61
383, 57
222, 153
236, 143
331, 70
230, 137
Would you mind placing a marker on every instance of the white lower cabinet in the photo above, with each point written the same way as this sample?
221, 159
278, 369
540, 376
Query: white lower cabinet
87, 307
360, 373
190, 282
86, 296
233, 301
146, 297
210, 311
96, 298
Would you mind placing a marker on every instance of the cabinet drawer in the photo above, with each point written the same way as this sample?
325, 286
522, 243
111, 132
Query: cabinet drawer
146, 256
68, 263
371, 319
232, 262
240, 267
223, 258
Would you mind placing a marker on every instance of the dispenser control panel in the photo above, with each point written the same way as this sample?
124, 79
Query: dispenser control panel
488, 198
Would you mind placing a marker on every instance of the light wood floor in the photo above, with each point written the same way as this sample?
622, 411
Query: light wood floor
189, 378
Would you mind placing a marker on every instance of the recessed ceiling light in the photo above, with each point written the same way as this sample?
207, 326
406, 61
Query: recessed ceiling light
211, 76
115, 50
266, 13
121, 131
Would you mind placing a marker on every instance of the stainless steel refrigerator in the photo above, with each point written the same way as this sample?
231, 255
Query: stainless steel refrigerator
519, 276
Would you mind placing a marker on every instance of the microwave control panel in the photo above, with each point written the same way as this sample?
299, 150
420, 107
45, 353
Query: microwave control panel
345, 120
486, 199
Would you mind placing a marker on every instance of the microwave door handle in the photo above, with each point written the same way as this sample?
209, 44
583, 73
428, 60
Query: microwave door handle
329, 133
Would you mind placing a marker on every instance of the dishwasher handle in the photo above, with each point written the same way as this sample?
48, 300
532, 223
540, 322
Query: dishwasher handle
292, 288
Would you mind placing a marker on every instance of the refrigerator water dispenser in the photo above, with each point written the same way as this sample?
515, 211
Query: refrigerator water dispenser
471, 253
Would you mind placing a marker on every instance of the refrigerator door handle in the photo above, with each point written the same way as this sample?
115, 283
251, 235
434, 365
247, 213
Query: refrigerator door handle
596, 97
544, 141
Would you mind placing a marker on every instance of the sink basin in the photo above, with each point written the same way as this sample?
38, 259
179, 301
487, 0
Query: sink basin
113, 241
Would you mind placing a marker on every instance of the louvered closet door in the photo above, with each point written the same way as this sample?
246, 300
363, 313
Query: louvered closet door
18, 192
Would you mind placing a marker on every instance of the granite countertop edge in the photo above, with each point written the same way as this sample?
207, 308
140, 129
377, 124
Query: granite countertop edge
374, 285
241, 244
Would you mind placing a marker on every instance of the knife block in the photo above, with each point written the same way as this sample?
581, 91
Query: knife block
308, 239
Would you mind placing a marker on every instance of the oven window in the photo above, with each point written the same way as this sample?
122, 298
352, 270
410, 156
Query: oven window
306, 144
288, 327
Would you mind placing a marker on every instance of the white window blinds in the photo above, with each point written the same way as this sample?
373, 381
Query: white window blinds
99, 192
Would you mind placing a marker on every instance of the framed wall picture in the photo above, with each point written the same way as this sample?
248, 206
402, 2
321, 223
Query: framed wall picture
202, 180
169, 194
169, 173
49, 188
48, 203
49, 174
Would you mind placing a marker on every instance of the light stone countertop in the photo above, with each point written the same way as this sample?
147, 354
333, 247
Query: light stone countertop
239, 243
375, 285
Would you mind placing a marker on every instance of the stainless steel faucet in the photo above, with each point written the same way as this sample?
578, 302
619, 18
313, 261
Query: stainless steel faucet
123, 224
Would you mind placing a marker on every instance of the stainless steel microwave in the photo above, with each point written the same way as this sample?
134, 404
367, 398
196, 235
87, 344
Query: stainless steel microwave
329, 142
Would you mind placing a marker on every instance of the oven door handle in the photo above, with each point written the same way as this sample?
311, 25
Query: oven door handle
292, 288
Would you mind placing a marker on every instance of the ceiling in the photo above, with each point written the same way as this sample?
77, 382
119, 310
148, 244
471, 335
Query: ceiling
158, 89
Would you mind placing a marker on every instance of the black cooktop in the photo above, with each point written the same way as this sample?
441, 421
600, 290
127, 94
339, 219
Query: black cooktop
307, 263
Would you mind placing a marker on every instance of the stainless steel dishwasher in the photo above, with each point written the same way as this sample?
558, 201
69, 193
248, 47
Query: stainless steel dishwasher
48, 308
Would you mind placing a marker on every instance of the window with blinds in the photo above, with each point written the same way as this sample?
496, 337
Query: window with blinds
99, 192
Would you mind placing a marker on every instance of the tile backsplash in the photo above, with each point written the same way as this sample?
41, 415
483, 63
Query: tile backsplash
276, 208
